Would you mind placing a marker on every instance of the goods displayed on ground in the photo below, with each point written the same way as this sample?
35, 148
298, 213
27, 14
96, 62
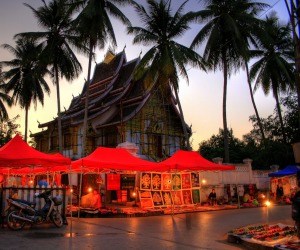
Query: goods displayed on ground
263, 235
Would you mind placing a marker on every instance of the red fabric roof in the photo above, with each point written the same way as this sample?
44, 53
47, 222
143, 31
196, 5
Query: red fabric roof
17, 153
23, 171
191, 160
113, 159
107, 159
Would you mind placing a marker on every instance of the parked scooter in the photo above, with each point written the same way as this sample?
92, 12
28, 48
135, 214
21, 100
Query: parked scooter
20, 212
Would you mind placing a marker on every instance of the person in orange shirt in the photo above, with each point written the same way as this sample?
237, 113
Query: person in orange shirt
96, 200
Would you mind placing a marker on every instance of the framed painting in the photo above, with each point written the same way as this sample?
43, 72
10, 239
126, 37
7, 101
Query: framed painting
195, 179
157, 198
167, 198
145, 194
176, 181
187, 197
145, 181
196, 196
167, 182
186, 181
177, 197
156, 181
146, 202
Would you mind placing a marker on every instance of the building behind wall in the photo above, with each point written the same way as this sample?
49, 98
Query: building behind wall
120, 110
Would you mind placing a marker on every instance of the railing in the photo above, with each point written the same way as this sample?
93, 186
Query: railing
27, 193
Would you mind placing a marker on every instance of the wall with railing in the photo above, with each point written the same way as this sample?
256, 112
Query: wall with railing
27, 193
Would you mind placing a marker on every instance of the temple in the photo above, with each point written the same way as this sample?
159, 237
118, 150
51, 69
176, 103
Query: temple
120, 111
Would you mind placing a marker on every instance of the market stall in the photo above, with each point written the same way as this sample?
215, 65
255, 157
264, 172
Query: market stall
129, 180
112, 168
18, 158
285, 178
190, 160
17, 153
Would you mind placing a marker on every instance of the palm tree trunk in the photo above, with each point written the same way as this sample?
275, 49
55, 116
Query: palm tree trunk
279, 114
182, 121
296, 48
254, 105
226, 143
298, 91
26, 123
58, 110
84, 132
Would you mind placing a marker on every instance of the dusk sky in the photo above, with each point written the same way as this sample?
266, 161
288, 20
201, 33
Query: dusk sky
201, 99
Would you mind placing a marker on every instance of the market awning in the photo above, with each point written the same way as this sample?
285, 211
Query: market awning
191, 160
289, 170
17, 154
110, 159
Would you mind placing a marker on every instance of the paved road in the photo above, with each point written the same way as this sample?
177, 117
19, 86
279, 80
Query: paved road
201, 230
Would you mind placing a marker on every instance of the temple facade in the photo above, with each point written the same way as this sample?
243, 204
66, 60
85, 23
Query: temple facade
120, 111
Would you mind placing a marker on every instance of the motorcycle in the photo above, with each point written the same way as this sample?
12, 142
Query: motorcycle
20, 212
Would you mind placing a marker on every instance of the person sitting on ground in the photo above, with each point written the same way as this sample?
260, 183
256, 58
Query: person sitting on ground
287, 200
247, 198
212, 197
255, 202
96, 200
261, 198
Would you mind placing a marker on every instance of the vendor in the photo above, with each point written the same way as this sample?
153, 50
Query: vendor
261, 197
212, 197
43, 182
96, 200
247, 198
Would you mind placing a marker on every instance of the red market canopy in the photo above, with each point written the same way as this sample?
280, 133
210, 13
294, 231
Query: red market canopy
23, 171
18, 154
191, 160
110, 159
107, 159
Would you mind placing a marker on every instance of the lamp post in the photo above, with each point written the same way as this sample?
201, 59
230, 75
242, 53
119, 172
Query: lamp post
202, 183
268, 204
134, 194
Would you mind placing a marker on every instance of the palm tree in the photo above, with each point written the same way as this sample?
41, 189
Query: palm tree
95, 28
4, 99
166, 59
55, 18
227, 44
26, 75
294, 14
274, 70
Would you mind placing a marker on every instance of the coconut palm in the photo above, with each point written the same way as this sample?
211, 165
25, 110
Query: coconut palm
274, 70
224, 27
252, 32
294, 14
57, 37
96, 30
166, 59
4, 99
25, 76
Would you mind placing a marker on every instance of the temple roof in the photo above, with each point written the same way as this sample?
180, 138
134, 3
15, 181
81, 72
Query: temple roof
111, 88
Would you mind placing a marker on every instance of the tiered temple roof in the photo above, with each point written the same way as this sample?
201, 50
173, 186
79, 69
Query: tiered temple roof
113, 96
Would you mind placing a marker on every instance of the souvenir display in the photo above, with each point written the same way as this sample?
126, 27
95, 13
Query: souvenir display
264, 235
265, 232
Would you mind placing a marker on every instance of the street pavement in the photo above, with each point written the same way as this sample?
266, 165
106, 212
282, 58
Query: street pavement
199, 230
